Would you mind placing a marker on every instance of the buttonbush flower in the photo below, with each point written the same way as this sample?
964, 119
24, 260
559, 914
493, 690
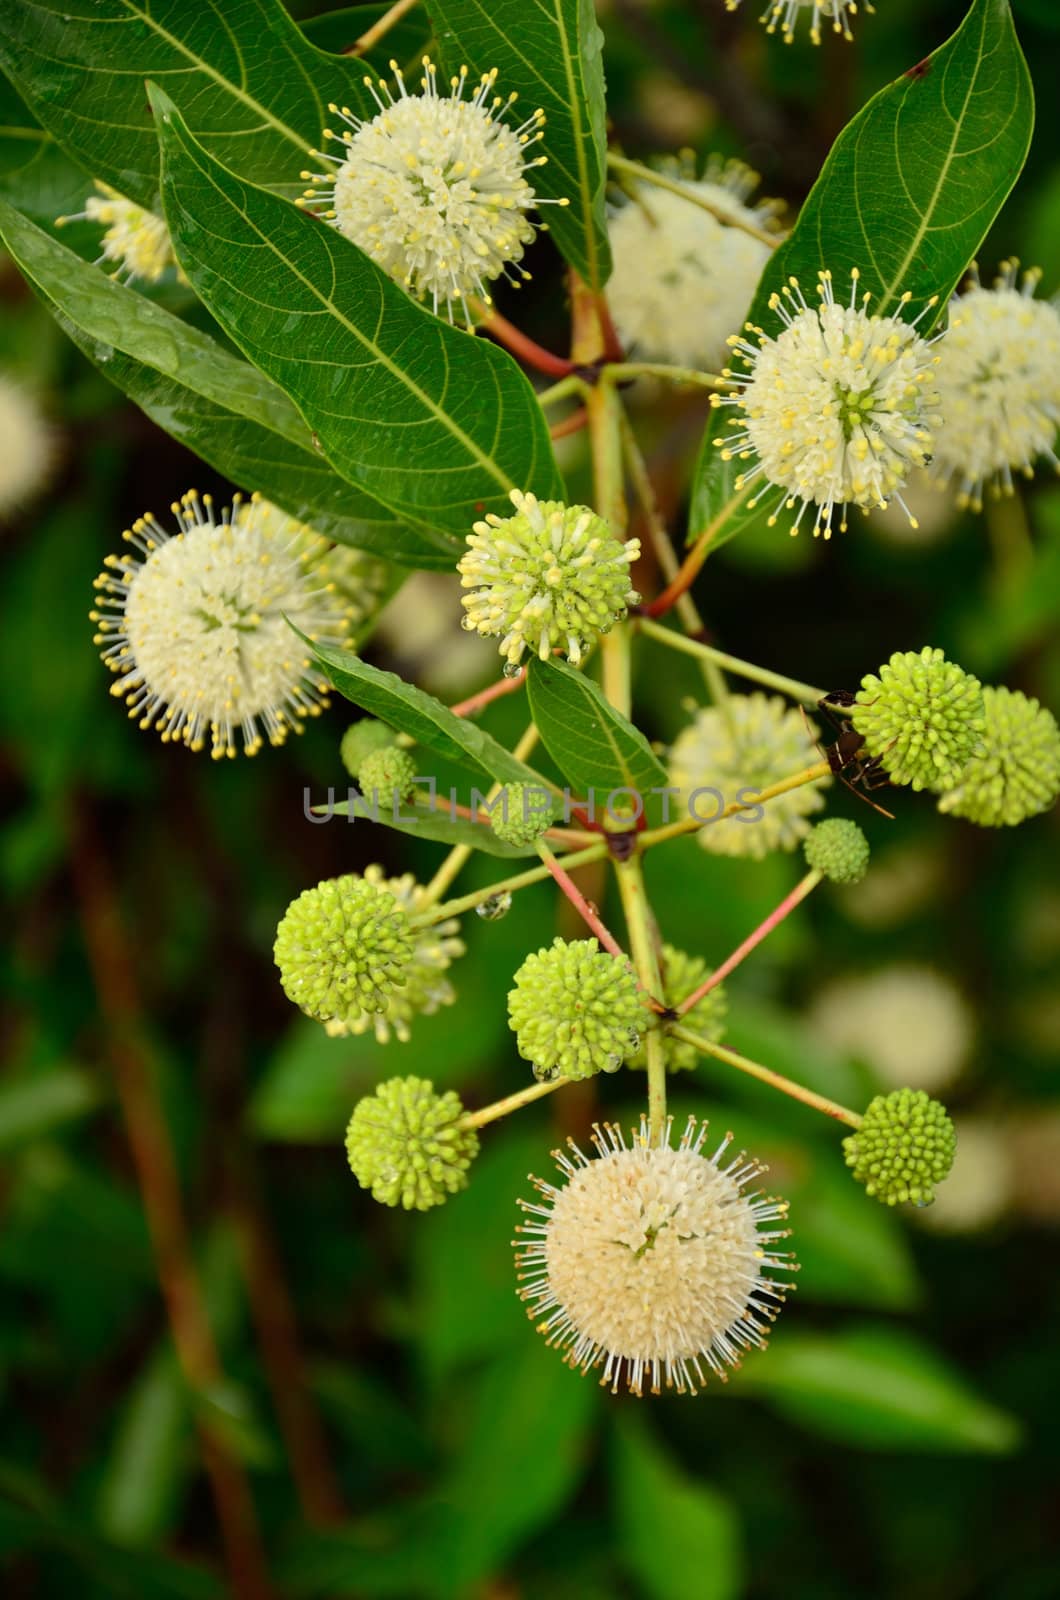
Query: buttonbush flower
434, 187
683, 279
681, 974
342, 948
406, 1145
551, 577
361, 739
136, 239
785, 13
26, 446
903, 1148
838, 849
737, 750
649, 1260
524, 813
998, 384
387, 775
1015, 771
425, 987
837, 409
358, 579
922, 716
195, 626
575, 1010
909, 1024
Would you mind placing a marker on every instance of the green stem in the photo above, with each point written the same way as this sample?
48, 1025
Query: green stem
569, 385
511, 1102
776, 1080
633, 169
683, 377
744, 669
646, 963
520, 880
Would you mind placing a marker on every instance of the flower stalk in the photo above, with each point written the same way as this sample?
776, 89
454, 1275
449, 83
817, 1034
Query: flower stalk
776, 1080
753, 940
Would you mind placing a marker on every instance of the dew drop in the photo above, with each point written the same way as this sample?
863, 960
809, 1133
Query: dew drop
496, 907
634, 1039
512, 669
922, 1205
545, 1074
613, 1064
467, 624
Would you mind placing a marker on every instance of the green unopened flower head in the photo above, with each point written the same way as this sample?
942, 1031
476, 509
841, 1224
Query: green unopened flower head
362, 739
343, 948
922, 715
524, 811
681, 974
575, 1010
903, 1148
551, 577
406, 1145
386, 776
838, 849
1015, 772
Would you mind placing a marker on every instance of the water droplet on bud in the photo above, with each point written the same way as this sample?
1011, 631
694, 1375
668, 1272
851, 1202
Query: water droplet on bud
512, 669
634, 1039
545, 1074
467, 624
496, 907
613, 1064
922, 1205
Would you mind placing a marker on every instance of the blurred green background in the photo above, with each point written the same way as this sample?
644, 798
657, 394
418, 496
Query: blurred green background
403, 1430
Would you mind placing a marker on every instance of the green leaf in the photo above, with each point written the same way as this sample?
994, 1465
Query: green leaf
876, 1387
216, 404
680, 1537
410, 710
906, 196
143, 1475
595, 747
436, 424
434, 825
551, 54
256, 89
35, 174
33, 1106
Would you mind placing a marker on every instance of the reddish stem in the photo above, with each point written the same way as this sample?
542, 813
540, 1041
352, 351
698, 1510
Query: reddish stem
525, 348
681, 582
572, 424
503, 686
588, 915
786, 906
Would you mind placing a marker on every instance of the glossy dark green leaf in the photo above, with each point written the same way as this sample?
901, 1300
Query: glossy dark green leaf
256, 90
35, 174
216, 404
595, 748
680, 1537
436, 424
338, 31
410, 710
550, 53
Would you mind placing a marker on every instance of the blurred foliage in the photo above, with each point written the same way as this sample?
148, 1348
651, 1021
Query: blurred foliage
899, 1437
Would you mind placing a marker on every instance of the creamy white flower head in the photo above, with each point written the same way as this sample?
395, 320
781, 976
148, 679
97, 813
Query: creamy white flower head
26, 446
838, 408
979, 1186
650, 1260
683, 278
135, 238
999, 386
195, 625
909, 1023
426, 988
359, 579
748, 744
785, 14
434, 187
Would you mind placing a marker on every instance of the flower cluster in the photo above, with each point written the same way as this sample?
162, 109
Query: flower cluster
922, 716
575, 1010
343, 948
837, 409
1014, 772
363, 739
649, 1260
903, 1148
406, 1144
386, 776
522, 813
551, 577
838, 849
136, 239
785, 13
433, 187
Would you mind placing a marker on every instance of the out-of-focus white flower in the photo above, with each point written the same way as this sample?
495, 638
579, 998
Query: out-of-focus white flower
908, 1023
136, 240
26, 447
979, 1186
784, 14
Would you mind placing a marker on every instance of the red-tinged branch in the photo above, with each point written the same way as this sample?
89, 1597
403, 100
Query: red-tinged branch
521, 345
572, 424
588, 913
753, 940
494, 691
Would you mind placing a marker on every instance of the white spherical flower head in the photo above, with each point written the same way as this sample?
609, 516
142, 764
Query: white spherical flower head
359, 580
426, 988
684, 278
784, 14
733, 752
839, 408
551, 577
999, 386
649, 1261
136, 239
195, 626
26, 448
434, 187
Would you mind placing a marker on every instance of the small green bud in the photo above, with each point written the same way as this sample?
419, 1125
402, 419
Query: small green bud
361, 739
405, 1144
1015, 774
681, 974
839, 850
575, 1010
922, 716
387, 776
342, 948
903, 1148
524, 811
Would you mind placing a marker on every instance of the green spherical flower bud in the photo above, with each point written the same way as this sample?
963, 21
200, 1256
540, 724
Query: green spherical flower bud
523, 812
551, 577
681, 975
1015, 773
406, 1145
839, 850
903, 1148
361, 739
923, 717
342, 948
575, 1010
387, 775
